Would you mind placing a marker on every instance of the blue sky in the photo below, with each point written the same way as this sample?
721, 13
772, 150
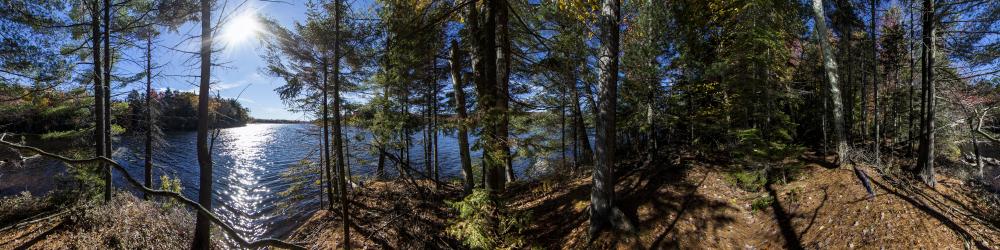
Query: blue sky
242, 63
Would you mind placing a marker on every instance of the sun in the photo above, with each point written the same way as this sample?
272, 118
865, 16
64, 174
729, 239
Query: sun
242, 28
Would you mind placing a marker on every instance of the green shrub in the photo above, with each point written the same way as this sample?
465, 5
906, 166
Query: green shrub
477, 228
751, 181
170, 184
761, 203
67, 134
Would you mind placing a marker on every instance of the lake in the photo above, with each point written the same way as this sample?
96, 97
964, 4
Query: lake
248, 166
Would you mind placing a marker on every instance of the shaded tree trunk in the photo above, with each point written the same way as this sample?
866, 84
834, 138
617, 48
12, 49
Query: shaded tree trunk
874, 69
463, 133
428, 139
434, 131
562, 125
975, 147
99, 124
148, 143
326, 135
830, 66
107, 93
586, 153
503, 86
338, 132
925, 161
489, 105
202, 233
603, 211
910, 132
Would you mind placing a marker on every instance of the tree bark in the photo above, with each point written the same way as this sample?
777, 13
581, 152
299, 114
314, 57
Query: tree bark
434, 128
489, 105
975, 147
202, 234
99, 124
602, 198
503, 86
583, 140
910, 132
463, 133
107, 94
562, 125
338, 132
874, 65
925, 162
428, 140
326, 135
830, 66
148, 144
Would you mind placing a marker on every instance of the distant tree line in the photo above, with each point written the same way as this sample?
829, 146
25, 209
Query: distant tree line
283, 121
177, 110
61, 111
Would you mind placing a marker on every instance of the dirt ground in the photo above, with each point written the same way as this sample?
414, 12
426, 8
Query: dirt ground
691, 205
686, 203
127, 222
386, 215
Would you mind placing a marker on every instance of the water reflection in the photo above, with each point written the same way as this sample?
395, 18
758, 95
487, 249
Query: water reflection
244, 147
248, 163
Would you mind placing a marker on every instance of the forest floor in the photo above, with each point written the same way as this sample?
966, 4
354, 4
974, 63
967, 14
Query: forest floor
386, 215
692, 203
127, 222
688, 202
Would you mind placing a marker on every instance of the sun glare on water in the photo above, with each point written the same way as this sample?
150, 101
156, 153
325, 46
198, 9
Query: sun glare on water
242, 28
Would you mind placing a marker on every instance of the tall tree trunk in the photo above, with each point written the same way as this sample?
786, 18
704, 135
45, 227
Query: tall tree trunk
926, 159
910, 132
874, 65
654, 81
380, 171
562, 125
338, 132
107, 97
503, 86
434, 132
326, 135
99, 124
975, 146
426, 132
864, 103
202, 232
825, 97
148, 144
849, 121
582, 138
463, 133
830, 65
490, 110
603, 211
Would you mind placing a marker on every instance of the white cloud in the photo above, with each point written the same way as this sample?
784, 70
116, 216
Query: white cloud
229, 85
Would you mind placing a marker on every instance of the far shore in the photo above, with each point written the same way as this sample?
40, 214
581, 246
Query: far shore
276, 121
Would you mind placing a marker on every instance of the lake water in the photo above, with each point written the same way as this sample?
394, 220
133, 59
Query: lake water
248, 166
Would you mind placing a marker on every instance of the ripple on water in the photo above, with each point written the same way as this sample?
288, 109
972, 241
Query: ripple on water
248, 165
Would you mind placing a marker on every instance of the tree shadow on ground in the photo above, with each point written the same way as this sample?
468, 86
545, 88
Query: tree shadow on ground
818, 160
792, 240
666, 195
387, 216
897, 190
655, 198
38, 238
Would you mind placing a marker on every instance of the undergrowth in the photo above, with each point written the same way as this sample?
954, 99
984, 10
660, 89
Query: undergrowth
483, 224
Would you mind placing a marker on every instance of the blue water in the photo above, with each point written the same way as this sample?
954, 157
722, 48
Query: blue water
249, 165
249, 162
